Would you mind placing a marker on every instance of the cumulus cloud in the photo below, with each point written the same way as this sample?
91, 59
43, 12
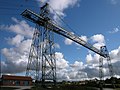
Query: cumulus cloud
60, 61
62, 74
115, 53
115, 59
67, 71
17, 55
92, 59
91, 71
77, 75
92, 67
68, 41
16, 40
72, 73
98, 45
59, 6
98, 40
77, 65
20, 27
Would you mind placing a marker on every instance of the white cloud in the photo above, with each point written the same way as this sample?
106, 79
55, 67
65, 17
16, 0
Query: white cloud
89, 58
115, 54
62, 74
115, 30
66, 71
98, 45
16, 40
59, 6
98, 38
14, 62
77, 65
20, 27
17, 55
68, 41
56, 45
92, 66
91, 71
24, 47
72, 73
60, 61
84, 38
92, 59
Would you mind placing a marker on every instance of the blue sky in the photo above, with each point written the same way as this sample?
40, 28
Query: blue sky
96, 21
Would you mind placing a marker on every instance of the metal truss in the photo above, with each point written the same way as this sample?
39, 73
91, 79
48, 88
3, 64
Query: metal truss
41, 62
49, 26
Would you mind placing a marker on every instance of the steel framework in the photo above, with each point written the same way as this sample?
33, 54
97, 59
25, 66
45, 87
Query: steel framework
101, 74
42, 52
33, 66
44, 21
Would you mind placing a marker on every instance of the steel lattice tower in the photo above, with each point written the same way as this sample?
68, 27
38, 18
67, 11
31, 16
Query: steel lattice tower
101, 74
41, 63
41, 59
33, 66
103, 49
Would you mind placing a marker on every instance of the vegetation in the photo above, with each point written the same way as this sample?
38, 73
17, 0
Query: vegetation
73, 85
81, 85
68, 87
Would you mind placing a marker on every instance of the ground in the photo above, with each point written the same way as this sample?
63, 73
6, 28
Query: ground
55, 88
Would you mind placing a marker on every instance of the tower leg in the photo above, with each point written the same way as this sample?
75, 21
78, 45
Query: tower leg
104, 50
33, 65
101, 72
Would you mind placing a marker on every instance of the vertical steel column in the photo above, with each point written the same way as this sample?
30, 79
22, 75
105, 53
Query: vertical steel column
105, 51
33, 65
101, 72
48, 57
41, 62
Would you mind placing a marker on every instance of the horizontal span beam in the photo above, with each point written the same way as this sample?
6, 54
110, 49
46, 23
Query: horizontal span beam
30, 15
